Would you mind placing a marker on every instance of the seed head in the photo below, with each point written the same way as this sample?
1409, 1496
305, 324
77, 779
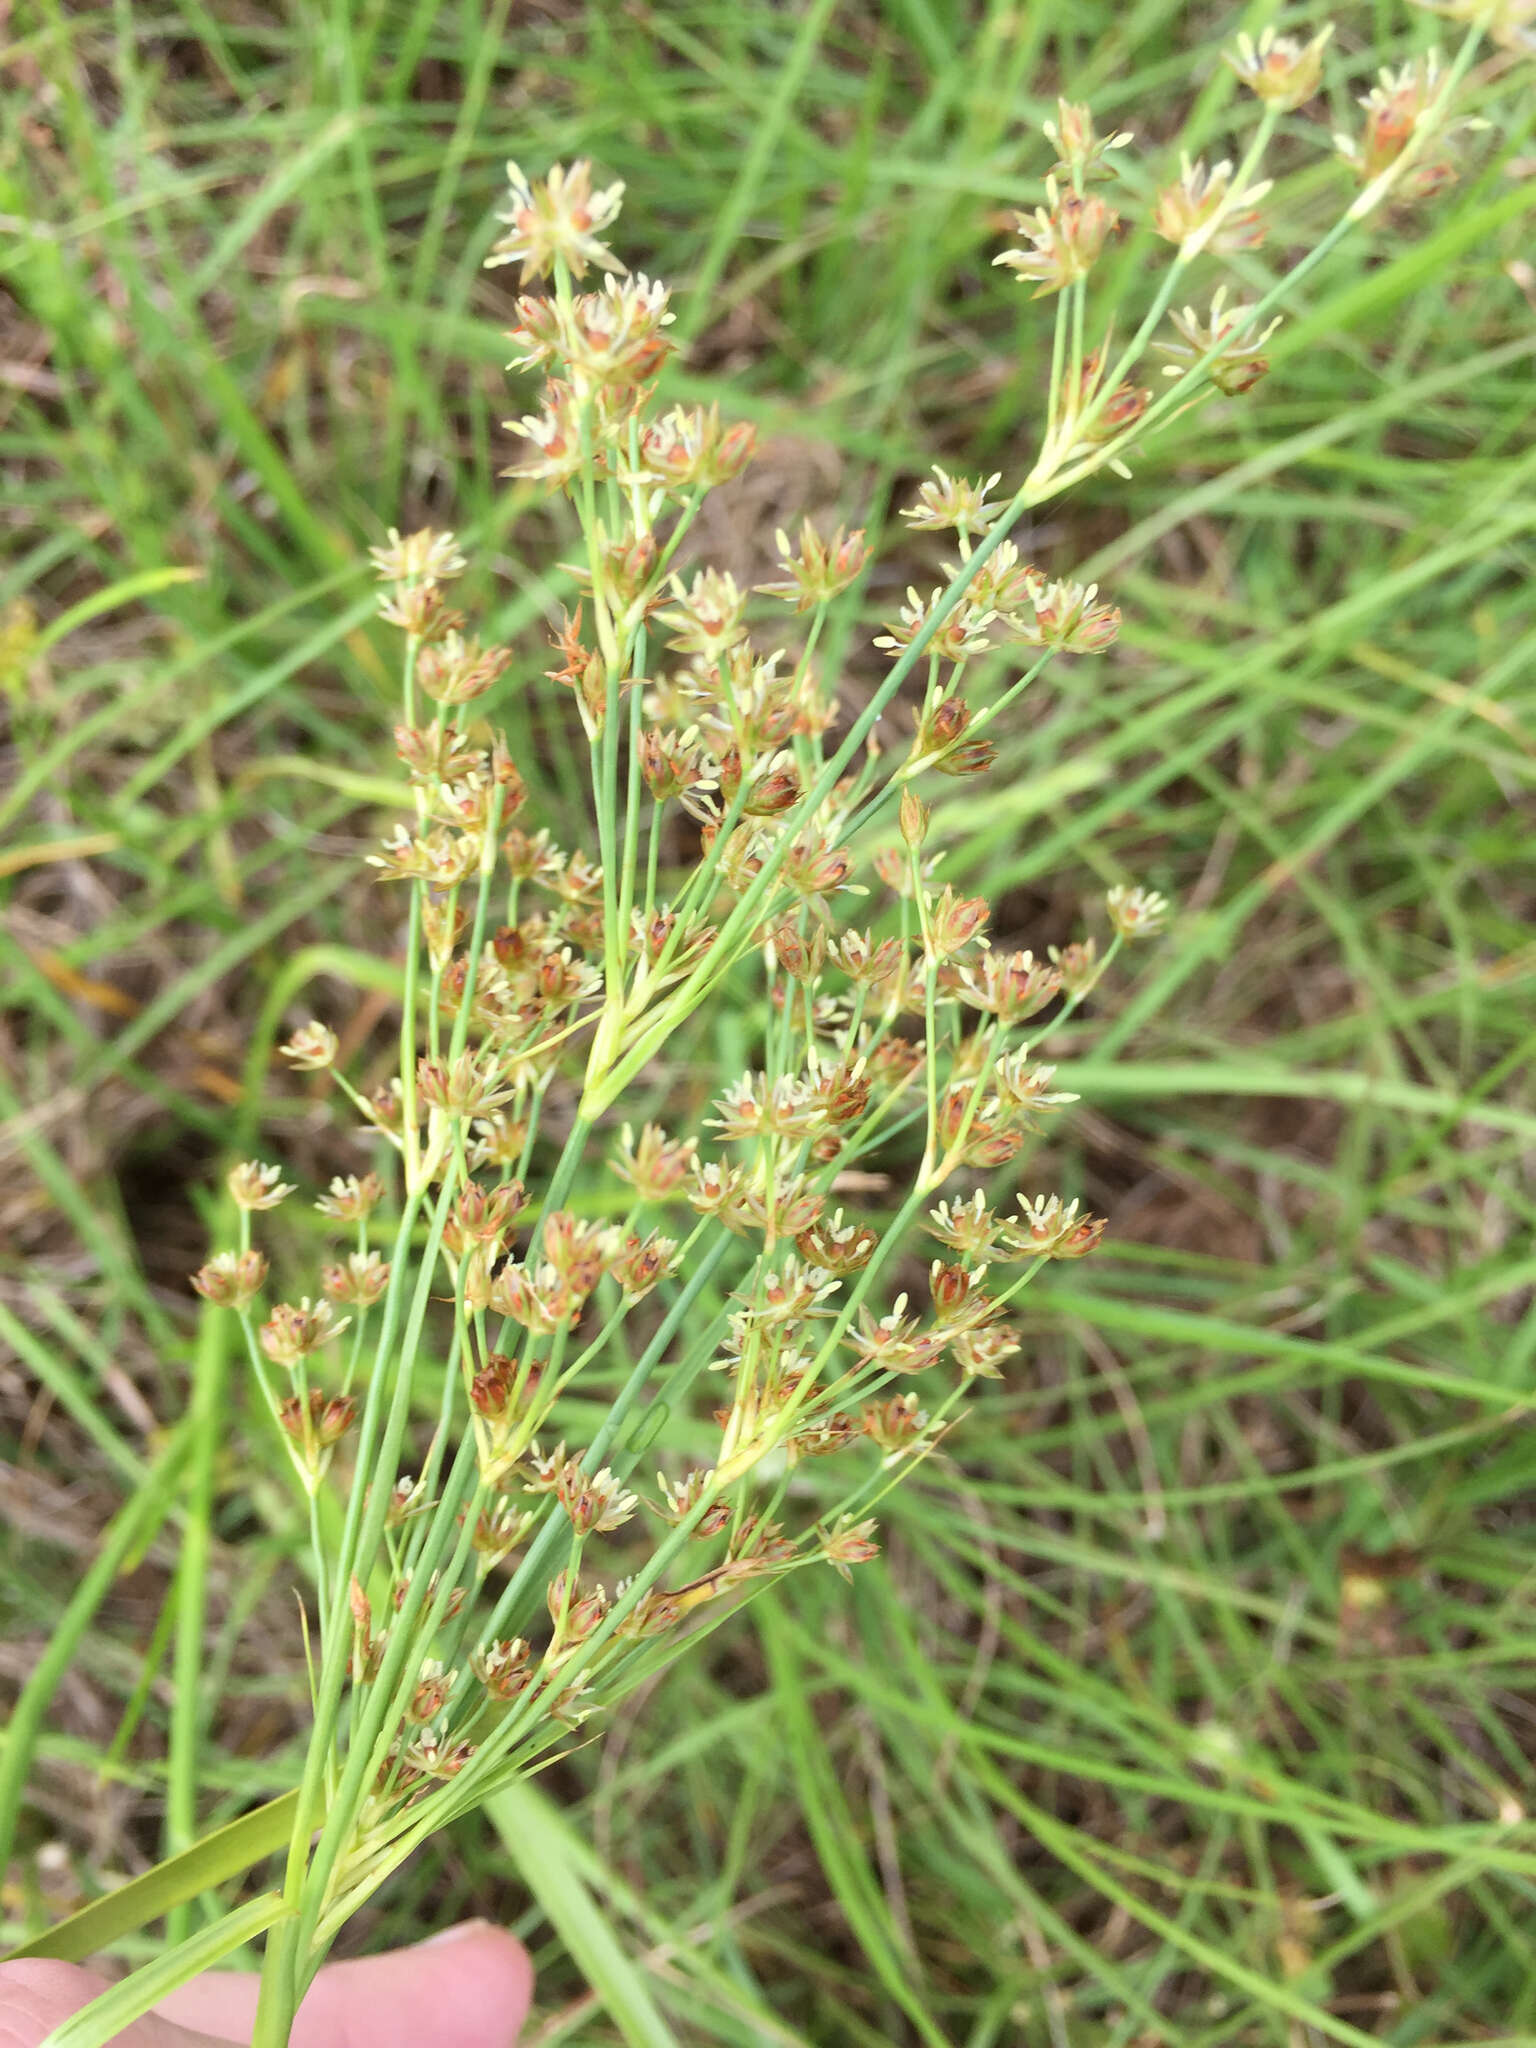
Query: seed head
420, 609
953, 503
438, 753
608, 337
595, 1505
361, 1281
962, 633
848, 1543
431, 1695
497, 1532
912, 819
536, 1300
1241, 362
896, 1425
312, 1045
578, 1252
837, 1247
817, 870
894, 1342
1196, 212
439, 857
1026, 1089
866, 964
686, 448
1048, 1228
554, 435
1067, 619
753, 1106
484, 1215
940, 729
490, 1390
295, 1329
980, 1354
956, 1292
499, 1142
708, 616
315, 1423
456, 671
431, 1755
467, 1086
718, 1189
1097, 418
979, 1134
652, 1614
1396, 110
1066, 239
1136, 913
1081, 154
816, 570
1279, 69
788, 1205
574, 1612
557, 217
776, 788
1078, 966
783, 1300
822, 1437
1012, 986
955, 922
654, 1165
758, 1547
258, 1187
970, 1227
842, 1093
643, 1262
231, 1279
501, 1667
314, 1426
800, 955
407, 1499
418, 557
679, 1498
673, 763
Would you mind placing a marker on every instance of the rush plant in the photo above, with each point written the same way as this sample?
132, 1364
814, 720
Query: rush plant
794, 1291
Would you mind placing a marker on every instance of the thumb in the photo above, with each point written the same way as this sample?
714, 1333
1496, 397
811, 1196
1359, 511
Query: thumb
468, 1988
38, 1994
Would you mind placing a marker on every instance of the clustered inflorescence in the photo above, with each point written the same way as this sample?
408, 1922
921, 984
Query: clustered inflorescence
758, 848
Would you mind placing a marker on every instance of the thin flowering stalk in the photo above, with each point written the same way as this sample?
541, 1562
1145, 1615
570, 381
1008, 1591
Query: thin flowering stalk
1183, 260
1368, 201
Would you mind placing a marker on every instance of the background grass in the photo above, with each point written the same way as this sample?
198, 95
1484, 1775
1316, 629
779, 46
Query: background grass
1191, 1703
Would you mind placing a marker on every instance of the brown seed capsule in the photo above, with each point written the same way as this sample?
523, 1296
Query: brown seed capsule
502, 1667
231, 1279
837, 1247
491, 1388
431, 1694
845, 1546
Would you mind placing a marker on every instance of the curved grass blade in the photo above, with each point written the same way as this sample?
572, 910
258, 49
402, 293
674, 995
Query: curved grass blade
213, 1861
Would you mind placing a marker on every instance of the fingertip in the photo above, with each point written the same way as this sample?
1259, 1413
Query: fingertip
36, 1994
470, 1986
492, 1980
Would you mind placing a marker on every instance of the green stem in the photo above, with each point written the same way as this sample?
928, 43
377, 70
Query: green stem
188, 1703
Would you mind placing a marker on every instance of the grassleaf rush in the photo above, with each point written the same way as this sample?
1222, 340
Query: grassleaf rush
489, 1587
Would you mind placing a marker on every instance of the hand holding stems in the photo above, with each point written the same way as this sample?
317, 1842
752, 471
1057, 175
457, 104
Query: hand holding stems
467, 1988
